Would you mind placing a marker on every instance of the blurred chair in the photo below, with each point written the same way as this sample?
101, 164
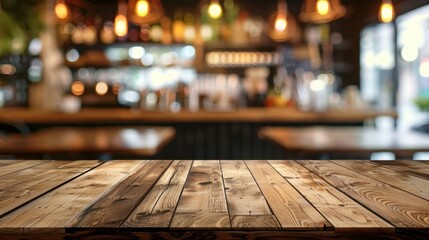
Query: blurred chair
7, 129
386, 156
421, 156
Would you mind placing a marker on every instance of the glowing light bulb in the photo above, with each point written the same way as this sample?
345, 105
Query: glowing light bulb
121, 25
61, 10
142, 8
101, 88
323, 7
78, 88
215, 11
386, 11
280, 24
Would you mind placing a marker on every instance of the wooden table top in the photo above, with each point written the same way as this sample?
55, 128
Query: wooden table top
346, 139
239, 115
126, 140
178, 198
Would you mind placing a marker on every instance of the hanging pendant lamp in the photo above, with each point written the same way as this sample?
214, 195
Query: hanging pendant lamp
282, 26
145, 11
321, 11
387, 12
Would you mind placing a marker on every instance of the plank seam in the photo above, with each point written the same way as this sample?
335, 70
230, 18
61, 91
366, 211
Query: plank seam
415, 174
325, 228
404, 190
226, 197
47, 161
50, 190
268, 204
180, 195
351, 197
145, 195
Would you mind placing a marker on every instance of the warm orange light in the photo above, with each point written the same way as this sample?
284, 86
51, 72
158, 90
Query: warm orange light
61, 10
142, 8
101, 88
323, 7
386, 11
121, 25
78, 88
280, 24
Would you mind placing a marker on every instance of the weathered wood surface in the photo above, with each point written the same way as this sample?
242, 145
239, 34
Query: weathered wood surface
398, 207
339, 209
203, 202
237, 199
291, 208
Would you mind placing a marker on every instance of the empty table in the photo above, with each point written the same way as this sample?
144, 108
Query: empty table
346, 140
68, 140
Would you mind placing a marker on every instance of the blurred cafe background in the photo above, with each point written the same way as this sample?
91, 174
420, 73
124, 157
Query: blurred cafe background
215, 71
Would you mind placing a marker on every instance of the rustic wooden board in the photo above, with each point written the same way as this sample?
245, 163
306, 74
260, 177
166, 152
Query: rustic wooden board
4, 162
203, 204
292, 210
401, 209
340, 210
246, 203
157, 208
52, 212
112, 209
64, 164
20, 165
407, 182
30, 183
411, 167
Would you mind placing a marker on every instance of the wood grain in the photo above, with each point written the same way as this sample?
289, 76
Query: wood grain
18, 166
399, 208
240, 115
112, 209
53, 211
246, 203
31, 183
4, 162
340, 210
416, 168
292, 210
410, 183
157, 208
202, 204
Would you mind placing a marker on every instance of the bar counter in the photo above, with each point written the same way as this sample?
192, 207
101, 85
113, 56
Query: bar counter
256, 115
194, 199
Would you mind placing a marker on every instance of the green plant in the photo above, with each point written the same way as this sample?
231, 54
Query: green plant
20, 21
422, 103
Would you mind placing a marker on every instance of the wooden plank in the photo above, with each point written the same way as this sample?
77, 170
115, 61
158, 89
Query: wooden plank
112, 209
408, 166
157, 208
28, 184
20, 165
4, 162
292, 210
399, 208
203, 204
64, 164
246, 203
340, 210
409, 183
52, 212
